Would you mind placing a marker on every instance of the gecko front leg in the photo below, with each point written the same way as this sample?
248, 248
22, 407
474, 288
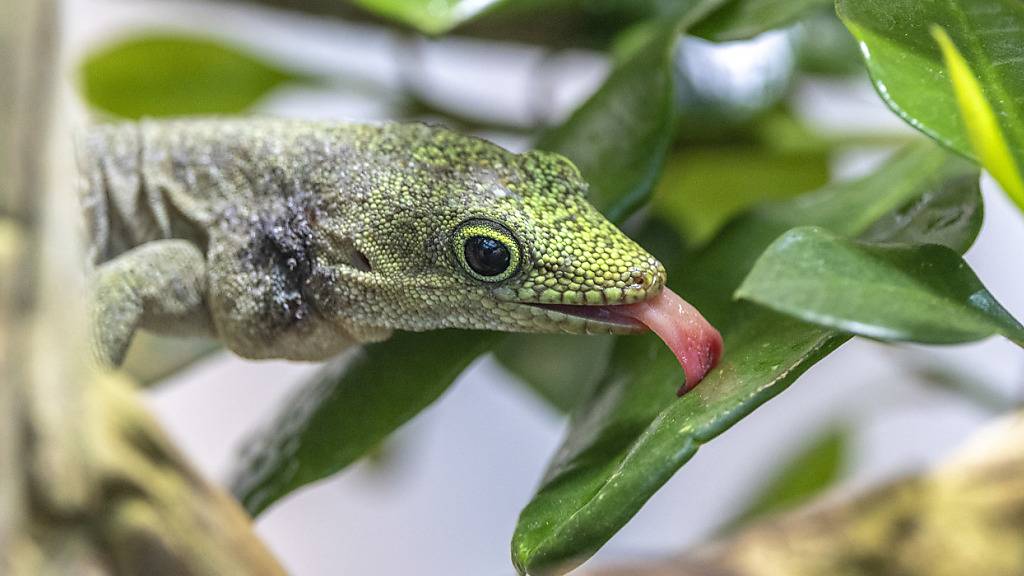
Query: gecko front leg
159, 286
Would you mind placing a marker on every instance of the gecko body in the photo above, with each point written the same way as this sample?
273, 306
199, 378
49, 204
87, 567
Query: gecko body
295, 239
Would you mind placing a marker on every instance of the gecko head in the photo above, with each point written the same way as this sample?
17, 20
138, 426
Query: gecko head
543, 259
470, 235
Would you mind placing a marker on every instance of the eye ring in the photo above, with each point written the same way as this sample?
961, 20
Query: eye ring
487, 250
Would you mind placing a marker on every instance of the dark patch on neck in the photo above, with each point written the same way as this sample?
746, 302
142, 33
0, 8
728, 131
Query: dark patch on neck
282, 250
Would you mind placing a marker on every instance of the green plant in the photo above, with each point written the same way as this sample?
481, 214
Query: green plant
788, 271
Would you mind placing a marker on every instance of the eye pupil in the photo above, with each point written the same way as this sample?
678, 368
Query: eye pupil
487, 256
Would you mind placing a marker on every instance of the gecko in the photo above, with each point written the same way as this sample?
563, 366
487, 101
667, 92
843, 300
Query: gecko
296, 239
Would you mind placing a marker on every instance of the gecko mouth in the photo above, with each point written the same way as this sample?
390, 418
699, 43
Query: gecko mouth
606, 316
694, 341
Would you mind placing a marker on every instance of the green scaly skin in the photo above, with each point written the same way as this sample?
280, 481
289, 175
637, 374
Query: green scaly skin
293, 239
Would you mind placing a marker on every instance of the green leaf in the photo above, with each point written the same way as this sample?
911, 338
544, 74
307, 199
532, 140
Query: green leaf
620, 136
741, 19
813, 470
824, 46
981, 122
849, 208
431, 16
633, 435
907, 65
918, 293
169, 75
352, 405
561, 368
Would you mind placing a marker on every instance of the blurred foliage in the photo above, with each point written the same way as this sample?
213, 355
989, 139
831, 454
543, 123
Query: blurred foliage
561, 368
824, 46
814, 469
434, 17
694, 147
932, 371
165, 75
974, 106
349, 408
701, 189
740, 19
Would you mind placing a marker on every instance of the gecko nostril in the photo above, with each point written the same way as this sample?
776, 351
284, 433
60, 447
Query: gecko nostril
638, 279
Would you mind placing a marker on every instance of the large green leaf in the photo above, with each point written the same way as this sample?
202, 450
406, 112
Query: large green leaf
391, 382
906, 62
920, 293
634, 434
740, 19
349, 408
169, 75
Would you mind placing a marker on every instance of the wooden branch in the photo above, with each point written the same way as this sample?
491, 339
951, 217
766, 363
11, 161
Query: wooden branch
965, 518
88, 482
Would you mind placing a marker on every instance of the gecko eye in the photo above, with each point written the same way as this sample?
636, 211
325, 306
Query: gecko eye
487, 256
487, 250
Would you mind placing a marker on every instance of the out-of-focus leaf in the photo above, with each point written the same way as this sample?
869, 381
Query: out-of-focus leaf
635, 109
702, 188
350, 408
432, 16
918, 293
740, 19
824, 46
633, 435
932, 371
813, 470
639, 109
169, 75
981, 122
906, 63
561, 368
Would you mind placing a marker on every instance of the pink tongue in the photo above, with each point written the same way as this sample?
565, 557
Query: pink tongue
695, 342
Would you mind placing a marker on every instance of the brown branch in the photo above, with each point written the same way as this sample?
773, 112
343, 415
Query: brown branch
964, 518
88, 482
